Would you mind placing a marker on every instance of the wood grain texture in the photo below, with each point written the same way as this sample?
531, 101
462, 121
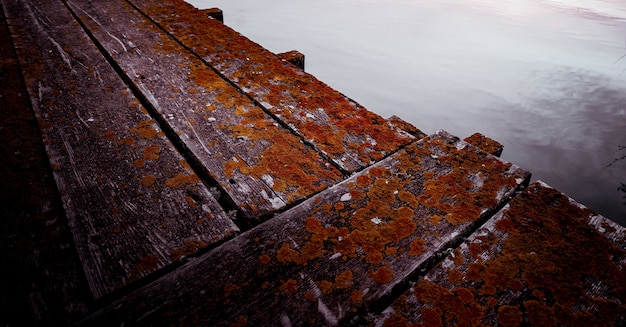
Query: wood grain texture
543, 260
341, 253
336, 126
261, 165
42, 280
132, 202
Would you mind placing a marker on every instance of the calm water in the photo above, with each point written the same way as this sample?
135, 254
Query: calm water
547, 78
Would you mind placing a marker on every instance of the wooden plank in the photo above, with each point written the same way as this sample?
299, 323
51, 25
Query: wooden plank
41, 282
132, 201
337, 254
294, 57
543, 260
262, 166
485, 143
350, 135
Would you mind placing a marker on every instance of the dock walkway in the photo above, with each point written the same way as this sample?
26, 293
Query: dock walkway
162, 169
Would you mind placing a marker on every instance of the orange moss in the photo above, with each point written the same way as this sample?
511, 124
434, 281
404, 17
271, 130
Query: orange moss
148, 263
325, 286
265, 259
344, 280
190, 201
145, 129
189, 247
289, 286
240, 322
151, 152
110, 134
125, 141
147, 180
356, 296
181, 179
382, 275
448, 306
509, 316
417, 247
455, 276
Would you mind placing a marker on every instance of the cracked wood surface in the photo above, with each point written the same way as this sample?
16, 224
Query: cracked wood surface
132, 202
339, 253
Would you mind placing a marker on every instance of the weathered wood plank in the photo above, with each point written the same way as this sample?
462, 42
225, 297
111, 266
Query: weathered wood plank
486, 144
261, 165
335, 125
294, 57
338, 253
132, 202
543, 260
41, 282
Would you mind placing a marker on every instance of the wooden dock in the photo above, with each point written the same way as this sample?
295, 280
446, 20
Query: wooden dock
161, 169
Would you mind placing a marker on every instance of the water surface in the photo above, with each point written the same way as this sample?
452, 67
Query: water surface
546, 78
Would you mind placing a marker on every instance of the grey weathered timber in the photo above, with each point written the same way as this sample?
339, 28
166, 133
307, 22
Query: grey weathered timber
543, 260
133, 204
261, 165
342, 252
41, 280
344, 131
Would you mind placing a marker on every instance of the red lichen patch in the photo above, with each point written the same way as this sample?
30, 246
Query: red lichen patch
450, 305
110, 134
181, 179
382, 275
509, 316
240, 322
147, 180
265, 259
190, 247
485, 144
289, 286
230, 288
435, 219
539, 314
125, 141
356, 296
505, 225
431, 317
148, 263
455, 276
190, 201
344, 280
145, 129
151, 152
325, 286
417, 247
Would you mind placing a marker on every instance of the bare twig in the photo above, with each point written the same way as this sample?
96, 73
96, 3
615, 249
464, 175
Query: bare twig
622, 157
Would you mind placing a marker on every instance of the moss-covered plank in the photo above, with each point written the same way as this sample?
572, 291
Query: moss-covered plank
543, 260
261, 165
132, 202
335, 125
338, 254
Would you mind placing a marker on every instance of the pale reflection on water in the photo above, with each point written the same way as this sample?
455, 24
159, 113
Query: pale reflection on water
544, 77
